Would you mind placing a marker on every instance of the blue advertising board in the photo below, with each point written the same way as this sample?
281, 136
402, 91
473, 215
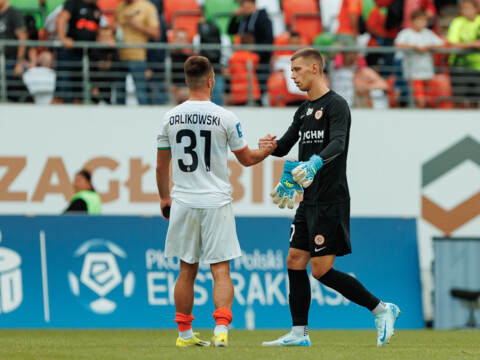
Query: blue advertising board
110, 272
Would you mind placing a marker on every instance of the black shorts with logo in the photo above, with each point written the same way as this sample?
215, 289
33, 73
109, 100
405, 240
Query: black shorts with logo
322, 229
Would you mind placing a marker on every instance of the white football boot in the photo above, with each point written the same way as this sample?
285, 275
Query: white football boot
384, 323
291, 339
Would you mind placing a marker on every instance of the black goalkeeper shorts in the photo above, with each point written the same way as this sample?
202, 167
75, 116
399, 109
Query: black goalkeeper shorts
322, 229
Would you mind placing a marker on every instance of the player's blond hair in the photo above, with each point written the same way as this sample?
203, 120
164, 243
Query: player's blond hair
310, 53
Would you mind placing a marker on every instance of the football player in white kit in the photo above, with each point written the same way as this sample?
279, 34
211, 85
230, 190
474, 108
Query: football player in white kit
195, 136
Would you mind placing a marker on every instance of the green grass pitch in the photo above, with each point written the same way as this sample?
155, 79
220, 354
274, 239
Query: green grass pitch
244, 345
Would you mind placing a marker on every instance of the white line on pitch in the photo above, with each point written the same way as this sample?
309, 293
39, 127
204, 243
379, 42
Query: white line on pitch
43, 252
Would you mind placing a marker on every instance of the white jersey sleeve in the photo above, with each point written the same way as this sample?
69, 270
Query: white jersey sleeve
235, 135
162, 138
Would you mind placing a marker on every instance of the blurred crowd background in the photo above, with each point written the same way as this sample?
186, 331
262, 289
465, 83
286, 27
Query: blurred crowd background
379, 53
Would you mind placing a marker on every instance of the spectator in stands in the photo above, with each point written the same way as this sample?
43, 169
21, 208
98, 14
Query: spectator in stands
209, 33
428, 6
12, 27
179, 55
383, 24
464, 33
32, 34
85, 199
103, 64
50, 26
137, 22
283, 63
40, 80
282, 89
155, 74
244, 85
248, 18
359, 85
418, 67
288, 37
82, 18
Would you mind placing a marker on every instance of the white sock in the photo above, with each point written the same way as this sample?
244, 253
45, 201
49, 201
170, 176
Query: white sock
186, 335
219, 329
381, 307
300, 330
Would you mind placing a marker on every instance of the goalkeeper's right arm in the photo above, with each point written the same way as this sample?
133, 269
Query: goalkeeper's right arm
287, 141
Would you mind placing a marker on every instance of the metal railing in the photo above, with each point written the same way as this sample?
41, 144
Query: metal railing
90, 75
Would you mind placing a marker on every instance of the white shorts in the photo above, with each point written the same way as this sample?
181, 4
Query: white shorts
192, 230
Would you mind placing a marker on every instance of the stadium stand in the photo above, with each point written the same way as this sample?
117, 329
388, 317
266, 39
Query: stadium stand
304, 18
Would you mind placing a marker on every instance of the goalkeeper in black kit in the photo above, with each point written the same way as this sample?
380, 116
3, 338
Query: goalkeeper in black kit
321, 228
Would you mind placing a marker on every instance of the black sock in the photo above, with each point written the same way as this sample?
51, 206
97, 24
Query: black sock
299, 297
349, 287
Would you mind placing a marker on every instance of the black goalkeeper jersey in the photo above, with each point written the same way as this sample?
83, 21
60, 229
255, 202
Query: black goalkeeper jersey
323, 128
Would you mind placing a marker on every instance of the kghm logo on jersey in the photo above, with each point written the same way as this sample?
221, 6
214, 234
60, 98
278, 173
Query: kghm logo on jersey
313, 135
97, 275
319, 240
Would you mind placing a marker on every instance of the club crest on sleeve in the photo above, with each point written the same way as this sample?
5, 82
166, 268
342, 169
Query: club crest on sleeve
239, 130
318, 114
319, 240
309, 111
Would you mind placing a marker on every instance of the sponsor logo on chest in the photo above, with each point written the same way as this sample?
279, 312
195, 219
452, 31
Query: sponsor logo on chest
312, 136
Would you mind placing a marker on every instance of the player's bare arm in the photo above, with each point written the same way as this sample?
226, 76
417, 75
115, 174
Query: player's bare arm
164, 157
248, 157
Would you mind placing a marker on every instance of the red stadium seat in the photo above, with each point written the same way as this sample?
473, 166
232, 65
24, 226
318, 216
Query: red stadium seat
108, 8
282, 40
391, 93
172, 6
240, 76
308, 25
291, 7
303, 17
187, 20
441, 92
278, 93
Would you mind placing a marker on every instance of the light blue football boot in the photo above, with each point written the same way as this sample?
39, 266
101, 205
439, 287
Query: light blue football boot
384, 324
291, 339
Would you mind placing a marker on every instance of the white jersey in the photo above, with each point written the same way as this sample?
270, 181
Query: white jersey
198, 132
418, 65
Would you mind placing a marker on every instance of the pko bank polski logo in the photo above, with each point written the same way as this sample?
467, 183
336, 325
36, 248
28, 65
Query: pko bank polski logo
98, 280
11, 288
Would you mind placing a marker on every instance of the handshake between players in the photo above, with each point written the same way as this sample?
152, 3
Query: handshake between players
296, 176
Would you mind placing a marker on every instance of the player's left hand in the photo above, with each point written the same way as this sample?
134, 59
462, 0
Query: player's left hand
165, 205
284, 193
304, 173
